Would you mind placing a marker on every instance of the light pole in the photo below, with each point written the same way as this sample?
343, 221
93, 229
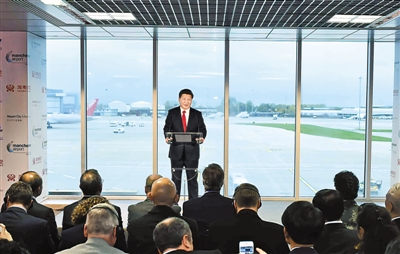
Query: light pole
359, 105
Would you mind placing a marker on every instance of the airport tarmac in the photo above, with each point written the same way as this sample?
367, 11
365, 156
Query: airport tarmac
260, 155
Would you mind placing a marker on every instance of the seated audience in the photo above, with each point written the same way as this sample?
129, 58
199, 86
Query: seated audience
138, 210
335, 238
101, 231
74, 236
38, 210
347, 184
173, 236
11, 247
225, 235
303, 224
375, 229
91, 184
392, 203
212, 206
32, 232
163, 194
394, 246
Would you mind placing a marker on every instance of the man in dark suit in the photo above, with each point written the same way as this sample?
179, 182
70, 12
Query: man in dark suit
138, 210
225, 235
140, 238
90, 184
335, 238
392, 203
38, 210
303, 224
30, 231
173, 236
185, 119
212, 206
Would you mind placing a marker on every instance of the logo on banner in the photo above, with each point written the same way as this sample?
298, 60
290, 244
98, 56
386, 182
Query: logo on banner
395, 92
1, 163
0, 46
37, 160
35, 103
16, 58
36, 132
393, 174
35, 45
17, 148
44, 89
43, 62
23, 88
1, 73
36, 74
44, 171
1, 129
10, 88
44, 144
16, 118
11, 177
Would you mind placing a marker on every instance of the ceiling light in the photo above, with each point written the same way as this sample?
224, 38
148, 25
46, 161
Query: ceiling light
365, 19
341, 18
54, 2
110, 16
353, 19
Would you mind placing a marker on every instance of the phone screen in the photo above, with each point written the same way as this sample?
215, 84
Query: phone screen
246, 250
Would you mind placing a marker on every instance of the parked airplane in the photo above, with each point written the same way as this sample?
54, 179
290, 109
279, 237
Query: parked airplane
59, 118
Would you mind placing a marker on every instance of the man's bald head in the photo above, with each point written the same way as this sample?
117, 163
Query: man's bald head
149, 182
34, 180
163, 192
392, 202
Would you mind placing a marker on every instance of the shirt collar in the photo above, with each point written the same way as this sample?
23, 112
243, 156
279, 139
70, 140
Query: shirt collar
395, 218
334, 222
19, 206
187, 110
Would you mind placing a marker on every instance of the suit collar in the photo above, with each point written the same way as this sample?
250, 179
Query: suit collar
166, 210
247, 213
17, 209
211, 193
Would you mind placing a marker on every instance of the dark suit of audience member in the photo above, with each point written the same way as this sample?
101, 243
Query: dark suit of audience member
33, 233
138, 210
347, 184
225, 235
393, 247
163, 194
211, 206
91, 184
303, 224
36, 209
179, 242
392, 204
335, 238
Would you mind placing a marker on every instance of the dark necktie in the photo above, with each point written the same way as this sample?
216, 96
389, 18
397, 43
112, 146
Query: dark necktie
184, 120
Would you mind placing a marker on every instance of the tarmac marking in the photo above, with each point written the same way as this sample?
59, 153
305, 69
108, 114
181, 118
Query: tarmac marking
304, 181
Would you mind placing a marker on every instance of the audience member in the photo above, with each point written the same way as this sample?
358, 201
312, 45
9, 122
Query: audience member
173, 236
38, 210
225, 235
303, 224
11, 247
394, 246
335, 238
73, 236
347, 184
138, 210
101, 231
375, 229
392, 203
212, 206
4, 234
31, 231
163, 194
90, 184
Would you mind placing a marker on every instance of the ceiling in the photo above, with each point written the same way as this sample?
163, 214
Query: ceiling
204, 19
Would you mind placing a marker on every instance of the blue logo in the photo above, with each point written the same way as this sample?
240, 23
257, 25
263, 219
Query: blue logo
8, 57
9, 147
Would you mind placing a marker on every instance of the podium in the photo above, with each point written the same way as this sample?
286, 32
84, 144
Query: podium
178, 138
184, 178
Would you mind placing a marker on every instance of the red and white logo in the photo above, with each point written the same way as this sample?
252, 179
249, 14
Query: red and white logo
23, 88
10, 88
37, 160
11, 177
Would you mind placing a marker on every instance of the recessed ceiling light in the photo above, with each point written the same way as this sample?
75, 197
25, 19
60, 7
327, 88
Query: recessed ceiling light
353, 19
365, 19
341, 18
54, 2
110, 16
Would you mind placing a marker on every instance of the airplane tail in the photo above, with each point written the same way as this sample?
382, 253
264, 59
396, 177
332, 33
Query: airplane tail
91, 107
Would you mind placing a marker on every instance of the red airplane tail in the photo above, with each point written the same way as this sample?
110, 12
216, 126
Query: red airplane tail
91, 107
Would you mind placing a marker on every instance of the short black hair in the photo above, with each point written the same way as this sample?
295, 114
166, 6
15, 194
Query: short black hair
11, 247
303, 222
20, 193
394, 246
246, 195
90, 182
347, 184
330, 202
170, 232
35, 182
186, 91
213, 177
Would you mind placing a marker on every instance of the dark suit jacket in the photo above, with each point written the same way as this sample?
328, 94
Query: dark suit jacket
74, 236
336, 239
43, 212
304, 250
396, 222
140, 231
247, 226
211, 207
138, 210
67, 223
173, 123
31, 231
196, 252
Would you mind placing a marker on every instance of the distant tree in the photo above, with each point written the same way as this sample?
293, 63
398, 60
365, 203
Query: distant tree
169, 104
249, 106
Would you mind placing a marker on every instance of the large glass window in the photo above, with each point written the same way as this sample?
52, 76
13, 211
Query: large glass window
120, 135
332, 113
199, 66
261, 116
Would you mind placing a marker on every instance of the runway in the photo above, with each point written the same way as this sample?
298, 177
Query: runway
260, 155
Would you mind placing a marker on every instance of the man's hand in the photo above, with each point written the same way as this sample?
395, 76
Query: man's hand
4, 234
260, 251
200, 140
168, 140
